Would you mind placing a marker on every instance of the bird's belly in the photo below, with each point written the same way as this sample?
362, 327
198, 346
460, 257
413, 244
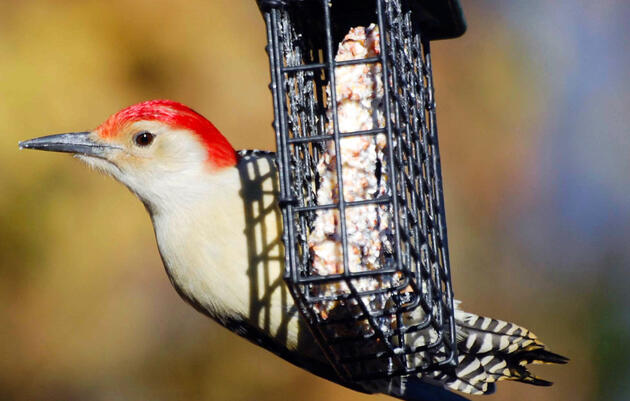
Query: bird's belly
236, 276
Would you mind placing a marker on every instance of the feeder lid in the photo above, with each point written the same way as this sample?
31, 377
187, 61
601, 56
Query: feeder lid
438, 19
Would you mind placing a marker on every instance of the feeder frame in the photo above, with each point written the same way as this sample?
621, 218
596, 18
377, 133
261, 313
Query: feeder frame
302, 37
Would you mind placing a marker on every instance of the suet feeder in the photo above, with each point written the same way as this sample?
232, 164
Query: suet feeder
395, 317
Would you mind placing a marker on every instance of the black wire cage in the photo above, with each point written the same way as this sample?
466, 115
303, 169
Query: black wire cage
411, 328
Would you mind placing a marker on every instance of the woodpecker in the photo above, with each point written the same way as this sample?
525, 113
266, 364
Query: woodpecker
218, 228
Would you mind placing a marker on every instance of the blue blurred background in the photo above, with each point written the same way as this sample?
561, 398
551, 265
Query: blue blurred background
533, 110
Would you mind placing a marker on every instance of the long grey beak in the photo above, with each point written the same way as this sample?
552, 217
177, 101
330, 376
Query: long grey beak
74, 142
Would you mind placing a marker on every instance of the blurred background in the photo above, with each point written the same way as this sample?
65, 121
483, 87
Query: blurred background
533, 110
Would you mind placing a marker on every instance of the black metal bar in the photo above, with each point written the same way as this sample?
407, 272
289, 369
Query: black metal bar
376, 201
330, 65
319, 138
440, 192
317, 66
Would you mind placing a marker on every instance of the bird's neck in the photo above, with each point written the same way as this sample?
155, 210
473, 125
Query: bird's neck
184, 193
223, 249
197, 230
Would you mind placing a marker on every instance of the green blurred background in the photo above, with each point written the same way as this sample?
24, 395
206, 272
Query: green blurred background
533, 109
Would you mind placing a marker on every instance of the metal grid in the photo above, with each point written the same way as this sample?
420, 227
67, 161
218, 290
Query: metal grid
415, 332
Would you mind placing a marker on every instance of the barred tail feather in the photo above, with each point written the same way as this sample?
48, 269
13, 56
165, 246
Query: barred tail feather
492, 350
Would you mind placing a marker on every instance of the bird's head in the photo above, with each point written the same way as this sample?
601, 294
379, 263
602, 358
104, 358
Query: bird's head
156, 148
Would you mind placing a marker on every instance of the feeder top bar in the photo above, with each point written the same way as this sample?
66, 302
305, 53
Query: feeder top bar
437, 19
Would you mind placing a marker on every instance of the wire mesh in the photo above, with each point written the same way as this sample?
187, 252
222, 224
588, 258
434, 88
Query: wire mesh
404, 323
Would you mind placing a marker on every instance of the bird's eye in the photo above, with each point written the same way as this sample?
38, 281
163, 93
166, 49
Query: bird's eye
143, 138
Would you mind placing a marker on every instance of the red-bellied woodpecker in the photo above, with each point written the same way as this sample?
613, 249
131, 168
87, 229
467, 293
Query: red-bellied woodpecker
218, 227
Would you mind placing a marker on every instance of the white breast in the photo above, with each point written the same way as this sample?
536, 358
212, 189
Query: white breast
224, 253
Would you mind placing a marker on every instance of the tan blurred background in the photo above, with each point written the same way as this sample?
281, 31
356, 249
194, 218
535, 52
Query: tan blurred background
533, 113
